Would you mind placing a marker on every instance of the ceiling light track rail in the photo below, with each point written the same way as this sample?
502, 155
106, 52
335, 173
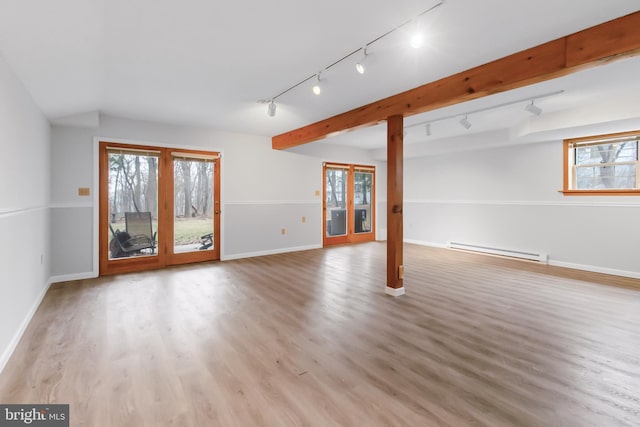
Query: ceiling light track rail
363, 48
480, 110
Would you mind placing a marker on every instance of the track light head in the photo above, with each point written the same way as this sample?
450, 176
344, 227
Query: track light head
533, 109
465, 122
360, 68
416, 41
271, 109
316, 87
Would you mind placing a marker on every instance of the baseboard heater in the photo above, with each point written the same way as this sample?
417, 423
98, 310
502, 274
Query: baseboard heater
531, 256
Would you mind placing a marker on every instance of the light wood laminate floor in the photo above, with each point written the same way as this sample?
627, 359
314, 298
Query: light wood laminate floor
310, 339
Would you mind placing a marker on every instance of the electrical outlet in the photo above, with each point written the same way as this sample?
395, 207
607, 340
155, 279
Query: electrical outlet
283, 231
318, 193
84, 191
304, 219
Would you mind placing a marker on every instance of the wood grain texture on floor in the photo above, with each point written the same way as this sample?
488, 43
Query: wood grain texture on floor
310, 339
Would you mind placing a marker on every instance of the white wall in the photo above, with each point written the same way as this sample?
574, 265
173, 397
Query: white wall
508, 198
71, 215
263, 191
24, 209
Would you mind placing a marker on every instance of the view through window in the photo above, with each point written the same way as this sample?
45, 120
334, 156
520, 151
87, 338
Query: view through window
602, 164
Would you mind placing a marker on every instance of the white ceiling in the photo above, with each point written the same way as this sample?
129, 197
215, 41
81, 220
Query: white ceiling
207, 62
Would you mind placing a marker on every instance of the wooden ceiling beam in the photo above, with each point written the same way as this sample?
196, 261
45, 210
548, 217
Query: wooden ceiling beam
594, 46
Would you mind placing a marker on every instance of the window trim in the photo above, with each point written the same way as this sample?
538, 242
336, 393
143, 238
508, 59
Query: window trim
567, 168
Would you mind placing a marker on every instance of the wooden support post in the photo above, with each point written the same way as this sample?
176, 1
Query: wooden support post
395, 268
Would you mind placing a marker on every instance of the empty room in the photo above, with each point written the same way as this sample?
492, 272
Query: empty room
409, 213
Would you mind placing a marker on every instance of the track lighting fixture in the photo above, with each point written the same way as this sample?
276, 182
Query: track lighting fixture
533, 108
416, 41
465, 122
360, 68
271, 109
316, 87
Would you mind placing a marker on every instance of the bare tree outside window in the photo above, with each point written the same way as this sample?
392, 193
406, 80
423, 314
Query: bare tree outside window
133, 184
606, 165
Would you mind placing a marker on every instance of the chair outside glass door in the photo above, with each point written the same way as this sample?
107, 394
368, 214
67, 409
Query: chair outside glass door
132, 202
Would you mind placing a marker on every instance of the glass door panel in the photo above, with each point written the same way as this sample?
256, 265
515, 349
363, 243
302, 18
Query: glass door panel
336, 187
193, 205
132, 224
362, 202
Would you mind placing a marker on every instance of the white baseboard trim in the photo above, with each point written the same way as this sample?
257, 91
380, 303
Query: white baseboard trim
423, 243
394, 292
595, 269
270, 252
75, 276
6, 354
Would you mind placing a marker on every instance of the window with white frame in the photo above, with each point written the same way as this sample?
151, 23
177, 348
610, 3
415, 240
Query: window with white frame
603, 164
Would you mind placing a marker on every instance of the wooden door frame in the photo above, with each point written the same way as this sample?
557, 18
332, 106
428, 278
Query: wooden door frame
190, 257
129, 264
369, 236
335, 240
350, 236
163, 257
